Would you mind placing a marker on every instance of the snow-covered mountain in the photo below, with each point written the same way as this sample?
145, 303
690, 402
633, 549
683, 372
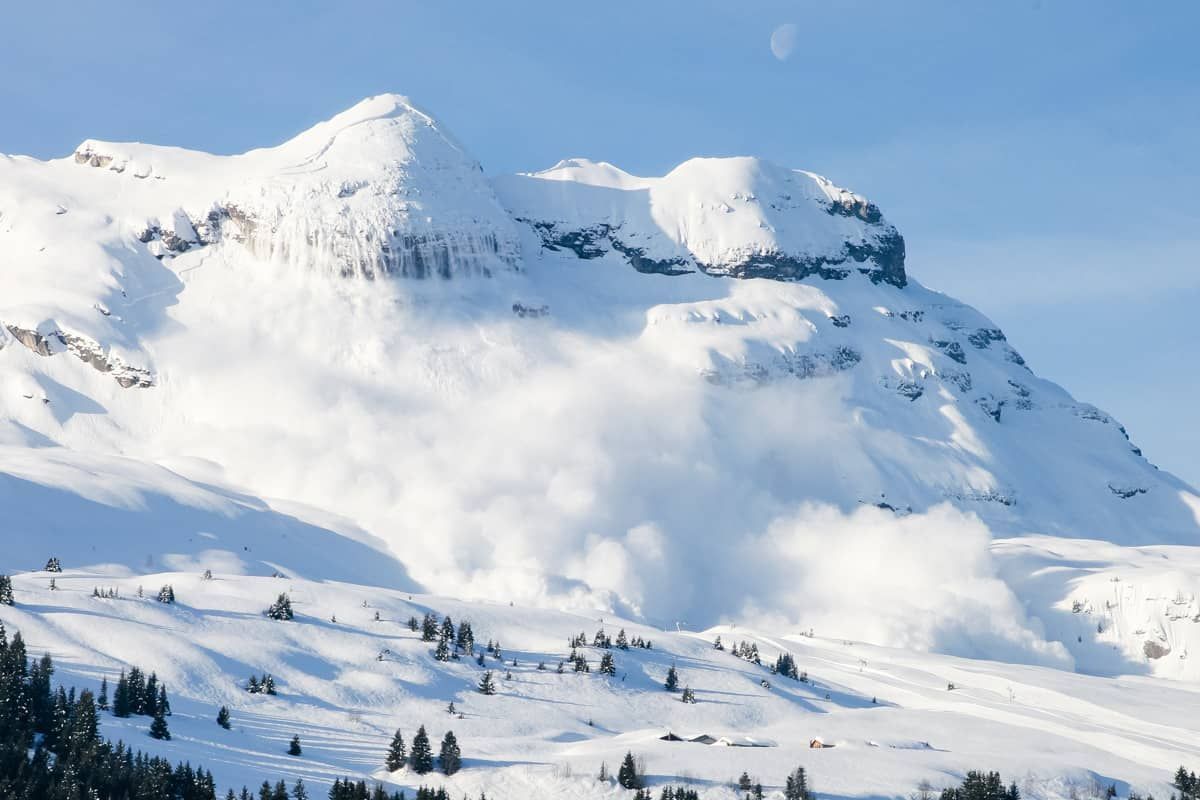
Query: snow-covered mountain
714, 395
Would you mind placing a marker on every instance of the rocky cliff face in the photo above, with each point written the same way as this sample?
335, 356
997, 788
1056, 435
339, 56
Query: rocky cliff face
736, 217
379, 190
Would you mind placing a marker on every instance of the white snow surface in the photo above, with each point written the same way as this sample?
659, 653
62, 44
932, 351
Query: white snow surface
710, 210
356, 360
345, 686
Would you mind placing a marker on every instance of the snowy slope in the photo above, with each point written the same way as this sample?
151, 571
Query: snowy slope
715, 395
346, 686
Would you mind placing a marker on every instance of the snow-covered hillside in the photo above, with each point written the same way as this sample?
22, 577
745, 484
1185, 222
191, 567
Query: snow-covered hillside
349, 672
714, 396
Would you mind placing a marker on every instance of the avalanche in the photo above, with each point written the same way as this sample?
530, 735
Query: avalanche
709, 398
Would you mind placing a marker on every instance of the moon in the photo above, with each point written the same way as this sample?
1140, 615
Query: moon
783, 41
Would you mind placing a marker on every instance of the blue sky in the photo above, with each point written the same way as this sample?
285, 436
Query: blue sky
1039, 156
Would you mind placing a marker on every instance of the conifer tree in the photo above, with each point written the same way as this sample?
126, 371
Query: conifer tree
148, 696
622, 641
122, 702
6, 591
607, 665
486, 684
158, 728
299, 792
688, 695
166, 594
223, 718
420, 758
449, 758
397, 754
672, 682
53, 565
465, 640
294, 747
796, 786
429, 627
281, 609
442, 651
447, 629
627, 775
103, 701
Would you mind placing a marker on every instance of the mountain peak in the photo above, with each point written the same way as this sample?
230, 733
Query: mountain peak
743, 217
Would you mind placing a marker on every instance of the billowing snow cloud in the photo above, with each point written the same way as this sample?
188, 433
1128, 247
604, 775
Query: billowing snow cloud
922, 581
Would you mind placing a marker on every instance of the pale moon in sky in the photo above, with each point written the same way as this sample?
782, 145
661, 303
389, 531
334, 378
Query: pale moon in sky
783, 41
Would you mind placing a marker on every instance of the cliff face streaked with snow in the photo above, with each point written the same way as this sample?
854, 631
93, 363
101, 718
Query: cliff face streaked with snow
717, 393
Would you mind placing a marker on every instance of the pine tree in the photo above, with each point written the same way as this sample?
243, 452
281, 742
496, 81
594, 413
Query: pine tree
294, 747
442, 651
397, 754
223, 718
162, 705
148, 697
744, 782
447, 629
607, 665
449, 758
429, 627
465, 640
53, 565
103, 702
622, 641
6, 591
268, 684
421, 756
299, 792
672, 682
158, 728
627, 775
796, 786
688, 695
413, 624
486, 684
166, 594
281, 609
122, 702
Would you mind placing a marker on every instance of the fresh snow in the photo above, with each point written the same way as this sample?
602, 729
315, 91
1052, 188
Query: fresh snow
356, 360
344, 687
